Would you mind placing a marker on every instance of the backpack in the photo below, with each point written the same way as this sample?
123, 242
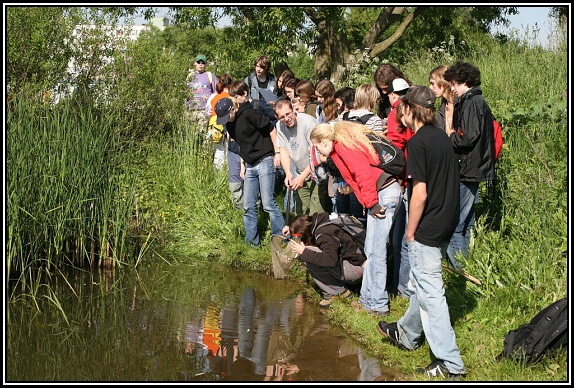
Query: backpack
350, 225
498, 140
547, 330
263, 106
215, 131
363, 119
392, 159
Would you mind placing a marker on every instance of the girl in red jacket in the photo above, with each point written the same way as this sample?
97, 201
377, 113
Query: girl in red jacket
346, 142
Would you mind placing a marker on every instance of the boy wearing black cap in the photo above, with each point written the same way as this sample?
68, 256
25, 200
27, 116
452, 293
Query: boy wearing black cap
432, 174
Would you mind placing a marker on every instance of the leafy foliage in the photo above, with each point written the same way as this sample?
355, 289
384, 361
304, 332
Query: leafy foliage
38, 45
149, 88
334, 32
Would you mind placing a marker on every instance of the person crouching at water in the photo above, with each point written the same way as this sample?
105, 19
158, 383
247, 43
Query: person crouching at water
329, 254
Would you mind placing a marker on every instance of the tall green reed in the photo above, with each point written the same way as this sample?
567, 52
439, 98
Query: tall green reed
69, 202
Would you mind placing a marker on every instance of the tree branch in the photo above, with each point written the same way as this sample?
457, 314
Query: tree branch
407, 20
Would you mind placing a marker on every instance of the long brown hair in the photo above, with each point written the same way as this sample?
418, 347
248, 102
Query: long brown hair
306, 91
437, 74
326, 89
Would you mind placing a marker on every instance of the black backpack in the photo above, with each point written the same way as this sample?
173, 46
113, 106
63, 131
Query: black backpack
392, 158
350, 225
363, 119
264, 107
547, 330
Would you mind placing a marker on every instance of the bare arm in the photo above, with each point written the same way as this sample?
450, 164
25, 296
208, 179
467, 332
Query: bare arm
416, 206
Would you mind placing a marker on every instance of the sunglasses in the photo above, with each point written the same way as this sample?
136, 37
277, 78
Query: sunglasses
201, 62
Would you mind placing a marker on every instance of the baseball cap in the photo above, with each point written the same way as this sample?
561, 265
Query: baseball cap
201, 57
222, 109
397, 85
421, 95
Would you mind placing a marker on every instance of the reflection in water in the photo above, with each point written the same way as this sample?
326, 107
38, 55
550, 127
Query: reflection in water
180, 324
281, 341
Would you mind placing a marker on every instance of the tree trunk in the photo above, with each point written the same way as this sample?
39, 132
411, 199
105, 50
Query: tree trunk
332, 51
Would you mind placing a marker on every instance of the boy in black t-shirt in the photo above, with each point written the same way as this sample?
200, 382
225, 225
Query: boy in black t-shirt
433, 178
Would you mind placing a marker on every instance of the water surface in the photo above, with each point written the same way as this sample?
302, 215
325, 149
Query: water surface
166, 323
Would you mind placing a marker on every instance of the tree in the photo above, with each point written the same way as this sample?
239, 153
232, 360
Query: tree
38, 45
327, 30
559, 13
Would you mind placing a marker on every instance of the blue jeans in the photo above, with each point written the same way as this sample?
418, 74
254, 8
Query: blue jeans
349, 204
401, 264
260, 179
460, 240
374, 294
235, 180
428, 310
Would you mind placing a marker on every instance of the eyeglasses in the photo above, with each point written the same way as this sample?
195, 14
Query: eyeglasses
201, 62
285, 116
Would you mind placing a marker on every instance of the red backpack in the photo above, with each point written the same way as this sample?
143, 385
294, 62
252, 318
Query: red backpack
498, 140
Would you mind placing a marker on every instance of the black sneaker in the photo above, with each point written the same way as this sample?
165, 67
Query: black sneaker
391, 331
438, 369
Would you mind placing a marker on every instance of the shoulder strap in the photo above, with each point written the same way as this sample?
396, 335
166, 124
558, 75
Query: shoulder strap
210, 77
364, 118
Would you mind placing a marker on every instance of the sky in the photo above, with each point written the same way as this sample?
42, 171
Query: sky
528, 19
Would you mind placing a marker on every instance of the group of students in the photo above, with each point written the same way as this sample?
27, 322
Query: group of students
425, 217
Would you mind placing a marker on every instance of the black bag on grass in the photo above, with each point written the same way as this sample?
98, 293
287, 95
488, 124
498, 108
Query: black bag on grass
547, 330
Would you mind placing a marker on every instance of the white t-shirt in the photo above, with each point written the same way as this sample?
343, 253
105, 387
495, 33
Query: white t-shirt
297, 140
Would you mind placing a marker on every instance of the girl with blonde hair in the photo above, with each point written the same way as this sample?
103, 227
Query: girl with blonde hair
348, 145
442, 90
366, 102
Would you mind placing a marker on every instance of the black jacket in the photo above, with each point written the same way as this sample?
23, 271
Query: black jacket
251, 130
331, 241
473, 139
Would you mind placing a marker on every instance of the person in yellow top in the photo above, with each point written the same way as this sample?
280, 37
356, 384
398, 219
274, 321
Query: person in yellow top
217, 132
